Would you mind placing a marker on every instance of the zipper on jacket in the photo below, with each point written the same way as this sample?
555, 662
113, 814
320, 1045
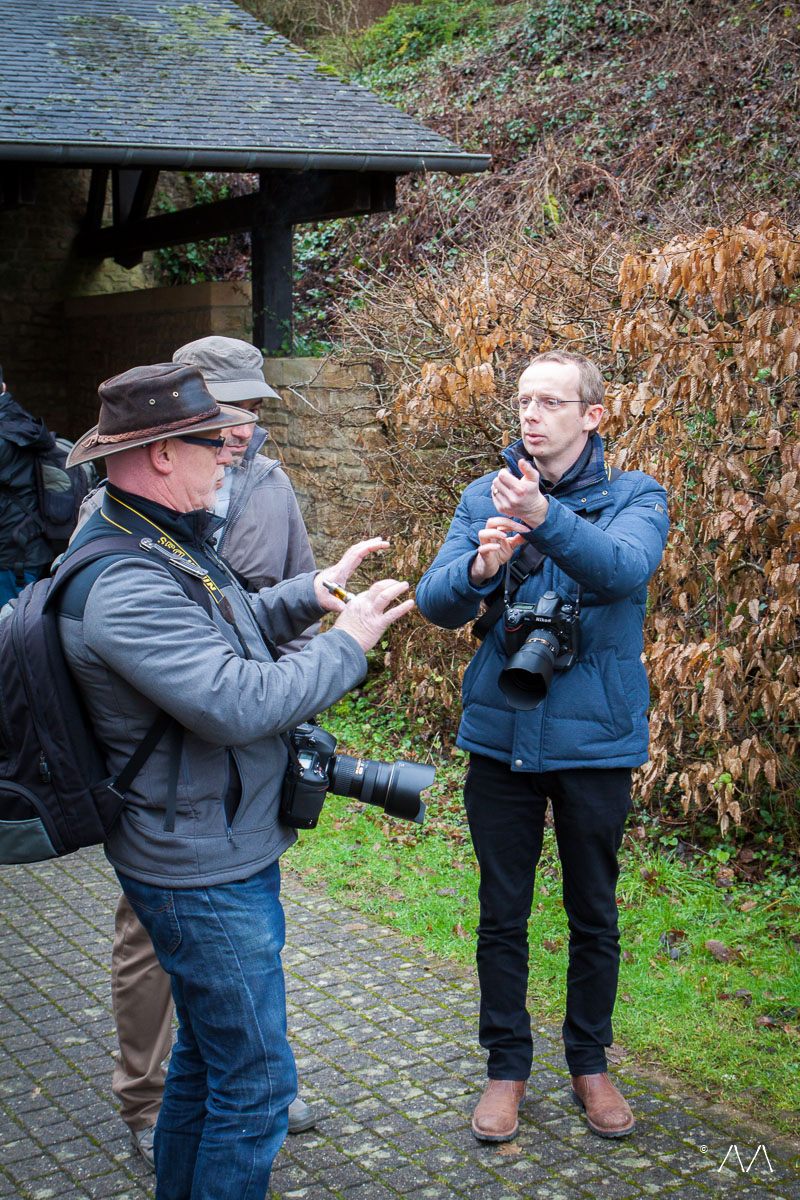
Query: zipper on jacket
541, 735
243, 495
234, 511
47, 820
234, 790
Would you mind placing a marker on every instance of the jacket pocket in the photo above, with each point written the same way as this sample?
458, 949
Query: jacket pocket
591, 700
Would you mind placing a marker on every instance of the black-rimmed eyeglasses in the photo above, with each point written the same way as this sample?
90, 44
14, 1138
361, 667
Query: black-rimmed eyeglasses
216, 443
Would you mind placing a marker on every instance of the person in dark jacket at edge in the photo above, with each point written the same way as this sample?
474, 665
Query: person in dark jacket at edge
197, 844
25, 553
595, 535
264, 539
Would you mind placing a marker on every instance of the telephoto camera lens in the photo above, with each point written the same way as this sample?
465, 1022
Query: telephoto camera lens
526, 677
313, 770
394, 787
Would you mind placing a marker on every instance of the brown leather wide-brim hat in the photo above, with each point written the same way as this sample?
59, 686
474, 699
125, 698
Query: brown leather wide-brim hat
146, 404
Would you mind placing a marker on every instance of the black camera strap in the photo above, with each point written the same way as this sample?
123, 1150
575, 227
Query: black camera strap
527, 562
518, 569
275, 653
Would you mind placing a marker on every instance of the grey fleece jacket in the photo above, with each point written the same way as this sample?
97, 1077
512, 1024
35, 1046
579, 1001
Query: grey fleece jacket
141, 644
264, 537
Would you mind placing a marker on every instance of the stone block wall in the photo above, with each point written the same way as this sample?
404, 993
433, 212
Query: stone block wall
324, 431
108, 334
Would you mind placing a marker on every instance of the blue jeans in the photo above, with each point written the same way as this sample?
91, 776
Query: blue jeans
10, 585
506, 812
231, 1075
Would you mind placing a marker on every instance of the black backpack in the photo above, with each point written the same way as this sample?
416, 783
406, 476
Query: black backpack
60, 491
55, 792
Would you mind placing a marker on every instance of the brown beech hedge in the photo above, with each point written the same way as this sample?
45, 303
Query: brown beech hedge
699, 339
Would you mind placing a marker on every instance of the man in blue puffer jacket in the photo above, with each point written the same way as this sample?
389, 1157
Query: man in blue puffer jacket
595, 535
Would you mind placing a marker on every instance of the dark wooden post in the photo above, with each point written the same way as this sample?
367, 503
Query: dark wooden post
271, 271
131, 193
17, 186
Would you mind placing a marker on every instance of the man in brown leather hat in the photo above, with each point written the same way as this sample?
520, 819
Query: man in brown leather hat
197, 845
265, 540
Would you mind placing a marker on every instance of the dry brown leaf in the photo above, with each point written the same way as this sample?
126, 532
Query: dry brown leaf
721, 952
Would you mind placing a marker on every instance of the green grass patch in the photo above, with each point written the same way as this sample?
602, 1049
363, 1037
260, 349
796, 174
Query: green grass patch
710, 979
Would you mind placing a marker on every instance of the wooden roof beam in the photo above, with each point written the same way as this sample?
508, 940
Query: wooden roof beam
289, 197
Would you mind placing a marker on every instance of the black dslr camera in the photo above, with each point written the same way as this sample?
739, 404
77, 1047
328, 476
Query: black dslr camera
540, 639
314, 770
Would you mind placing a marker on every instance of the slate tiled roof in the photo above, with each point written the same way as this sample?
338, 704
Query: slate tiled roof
198, 85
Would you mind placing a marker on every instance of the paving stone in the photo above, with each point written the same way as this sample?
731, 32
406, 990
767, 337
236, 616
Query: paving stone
348, 1175
438, 1191
369, 1191
554, 1189
385, 1041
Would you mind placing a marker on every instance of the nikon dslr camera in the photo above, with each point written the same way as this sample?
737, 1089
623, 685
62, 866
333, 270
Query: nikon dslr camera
314, 770
540, 639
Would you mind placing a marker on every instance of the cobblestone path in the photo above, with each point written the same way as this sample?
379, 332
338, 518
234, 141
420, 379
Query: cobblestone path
386, 1051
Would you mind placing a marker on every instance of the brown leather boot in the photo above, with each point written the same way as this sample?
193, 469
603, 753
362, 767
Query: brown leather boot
495, 1118
607, 1111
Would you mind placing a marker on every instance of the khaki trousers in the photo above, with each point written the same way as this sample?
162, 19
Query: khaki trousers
142, 998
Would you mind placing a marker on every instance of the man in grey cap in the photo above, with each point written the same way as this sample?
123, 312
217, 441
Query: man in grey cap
264, 537
265, 540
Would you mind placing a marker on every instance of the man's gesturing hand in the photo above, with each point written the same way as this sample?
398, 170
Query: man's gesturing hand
343, 569
368, 615
520, 498
495, 548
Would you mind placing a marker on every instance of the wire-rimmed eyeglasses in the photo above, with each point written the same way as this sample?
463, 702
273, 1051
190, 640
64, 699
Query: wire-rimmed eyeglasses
543, 403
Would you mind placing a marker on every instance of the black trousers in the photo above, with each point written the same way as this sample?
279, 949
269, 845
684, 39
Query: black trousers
506, 812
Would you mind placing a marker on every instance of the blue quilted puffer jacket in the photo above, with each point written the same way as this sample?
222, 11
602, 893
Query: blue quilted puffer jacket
606, 531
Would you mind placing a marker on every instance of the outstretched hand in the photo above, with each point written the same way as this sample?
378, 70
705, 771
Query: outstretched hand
341, 571
368, 615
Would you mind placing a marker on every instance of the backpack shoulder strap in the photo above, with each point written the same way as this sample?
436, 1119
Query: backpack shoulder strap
95, 553
117, 546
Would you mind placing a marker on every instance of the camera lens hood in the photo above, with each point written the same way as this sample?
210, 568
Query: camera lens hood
525, 678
